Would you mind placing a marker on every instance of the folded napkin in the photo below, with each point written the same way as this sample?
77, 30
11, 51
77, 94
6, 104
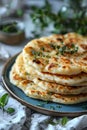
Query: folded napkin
43, 122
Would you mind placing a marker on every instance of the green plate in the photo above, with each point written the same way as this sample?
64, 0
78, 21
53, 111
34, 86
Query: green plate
49, 108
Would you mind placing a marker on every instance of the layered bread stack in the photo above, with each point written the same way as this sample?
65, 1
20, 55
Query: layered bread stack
53, 68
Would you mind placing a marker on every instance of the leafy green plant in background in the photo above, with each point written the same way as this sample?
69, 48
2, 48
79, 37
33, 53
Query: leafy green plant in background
70, 18
3, 102
41, 17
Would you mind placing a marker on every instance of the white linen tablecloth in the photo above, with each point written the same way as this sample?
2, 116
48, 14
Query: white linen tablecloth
38, 122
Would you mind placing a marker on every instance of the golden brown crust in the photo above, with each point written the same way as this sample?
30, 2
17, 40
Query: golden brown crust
57, 54
53, 68
34, 91
70, 80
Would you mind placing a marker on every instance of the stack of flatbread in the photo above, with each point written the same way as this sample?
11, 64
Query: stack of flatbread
53, 68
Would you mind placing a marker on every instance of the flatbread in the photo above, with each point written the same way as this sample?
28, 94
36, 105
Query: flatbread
57, 54
49, 86
19, 81
53, 69
19, 65
33, 91
60, 89
31, 73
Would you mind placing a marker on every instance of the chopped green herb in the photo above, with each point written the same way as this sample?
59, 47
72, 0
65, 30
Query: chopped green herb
52, 107
64, 121
47, 56
34, 52
42, 48
52, 46
10, 110
72, 52
76, 49
66, 49
57, 47
62, 49
73, 45
59, 106
38, 53
50, 121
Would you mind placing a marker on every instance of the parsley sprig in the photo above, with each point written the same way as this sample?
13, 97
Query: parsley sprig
3, 102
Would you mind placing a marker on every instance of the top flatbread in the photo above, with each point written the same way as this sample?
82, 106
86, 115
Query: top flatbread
57, 54
31, 73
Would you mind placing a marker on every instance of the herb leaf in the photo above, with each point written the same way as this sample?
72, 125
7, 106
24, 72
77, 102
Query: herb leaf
59, 106
64, 121
4, 100
51, 121
52, 107
10, 110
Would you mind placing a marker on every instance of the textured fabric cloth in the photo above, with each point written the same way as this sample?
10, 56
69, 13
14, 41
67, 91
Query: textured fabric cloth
12, 121
39, 122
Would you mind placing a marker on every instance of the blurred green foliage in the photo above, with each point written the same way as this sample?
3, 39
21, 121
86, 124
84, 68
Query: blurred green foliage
70, 18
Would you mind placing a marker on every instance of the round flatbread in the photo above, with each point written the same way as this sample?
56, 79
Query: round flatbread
48, 86
33, 91
31, 73
57, 54
60, 89
53, 68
